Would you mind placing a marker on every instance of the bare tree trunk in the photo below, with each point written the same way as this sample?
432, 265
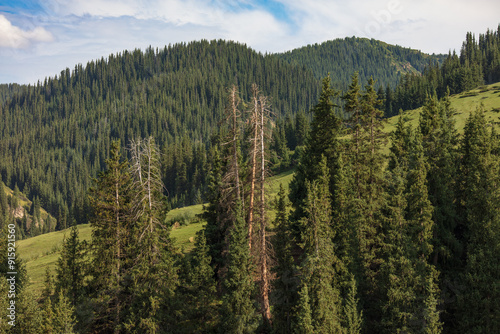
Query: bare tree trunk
253, 165
266, 310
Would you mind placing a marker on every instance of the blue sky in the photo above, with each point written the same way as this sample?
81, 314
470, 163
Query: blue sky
40, 38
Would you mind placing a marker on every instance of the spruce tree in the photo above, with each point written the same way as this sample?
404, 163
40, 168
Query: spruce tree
480, 178
410, 282
303, 314
71, 267
239, 314
353, 316
319, 260
284, 292
367, 201
322, 140
152, 273
64, 320
110, 204
202, 304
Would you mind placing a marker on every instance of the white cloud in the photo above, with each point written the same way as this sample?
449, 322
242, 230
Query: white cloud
17, 38
82, 30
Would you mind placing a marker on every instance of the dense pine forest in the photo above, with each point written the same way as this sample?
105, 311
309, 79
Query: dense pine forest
364, 241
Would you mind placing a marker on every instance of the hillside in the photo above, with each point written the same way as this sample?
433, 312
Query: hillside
55, 136
487, 96
342, 57
42, 251
30, 216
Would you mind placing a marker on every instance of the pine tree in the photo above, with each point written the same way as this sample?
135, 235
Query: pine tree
303, 314
71, 267
479, 302
110, 204
285, 288
319, 258
353, 323
239, 314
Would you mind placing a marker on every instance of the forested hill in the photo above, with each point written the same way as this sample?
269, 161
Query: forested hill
55, 135
342, 57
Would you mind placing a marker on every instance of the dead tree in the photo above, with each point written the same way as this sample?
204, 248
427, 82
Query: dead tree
259, 119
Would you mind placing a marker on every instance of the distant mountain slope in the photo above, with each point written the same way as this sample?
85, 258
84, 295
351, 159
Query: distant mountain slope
56, 135
342, 57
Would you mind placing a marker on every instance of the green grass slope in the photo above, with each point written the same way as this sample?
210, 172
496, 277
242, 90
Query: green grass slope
464, 104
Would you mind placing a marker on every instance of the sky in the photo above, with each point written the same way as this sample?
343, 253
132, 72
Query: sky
40, 38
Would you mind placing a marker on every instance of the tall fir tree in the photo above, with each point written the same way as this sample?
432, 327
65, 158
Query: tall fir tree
110, 202
322, 140
285, 284
480, 178
71, 267
319, 259
239, 313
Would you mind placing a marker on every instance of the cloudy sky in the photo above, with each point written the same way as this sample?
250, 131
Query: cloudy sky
39, 38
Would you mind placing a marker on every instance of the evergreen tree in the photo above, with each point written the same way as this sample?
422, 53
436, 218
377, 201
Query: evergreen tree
64, 321
479, 302
29, 316
322, 141
410, 281
353, 316
202, 303
152, 273
71, 267
284, 290
303, 314
367, 201
319, 257
110, 204
239, 314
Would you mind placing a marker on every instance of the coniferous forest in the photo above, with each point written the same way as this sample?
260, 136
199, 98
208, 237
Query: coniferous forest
376, 233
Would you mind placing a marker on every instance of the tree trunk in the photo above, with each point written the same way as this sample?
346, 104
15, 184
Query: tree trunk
266, 310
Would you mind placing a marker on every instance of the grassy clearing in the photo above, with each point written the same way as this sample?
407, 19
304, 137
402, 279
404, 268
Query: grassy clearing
464, 104
41, 252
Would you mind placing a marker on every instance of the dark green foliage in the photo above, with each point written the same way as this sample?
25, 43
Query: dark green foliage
367, 198
370, 57
303, 314
72, 268
319, 259
480, 179
238, 310
353, 316
322, 140
175, 94
111, 205
285, 285
409, 280
477, 64
201, 305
